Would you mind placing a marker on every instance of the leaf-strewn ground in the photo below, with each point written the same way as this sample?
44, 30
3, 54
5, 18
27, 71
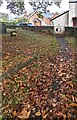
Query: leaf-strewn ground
45, 88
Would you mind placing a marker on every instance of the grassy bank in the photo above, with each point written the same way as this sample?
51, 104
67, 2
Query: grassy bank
71, 41
25, 45
18, 50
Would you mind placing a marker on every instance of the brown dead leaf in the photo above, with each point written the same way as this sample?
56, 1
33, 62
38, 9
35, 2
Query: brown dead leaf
45, 116
64, 116
38, 113
59, 114
6, 57
73, 99
73, 104
24, 114
67, 76
23, 68
54, 104
43, 112
14, 113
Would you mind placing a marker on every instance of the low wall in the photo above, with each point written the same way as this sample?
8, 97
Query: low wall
44, 29
75, 31
71, 31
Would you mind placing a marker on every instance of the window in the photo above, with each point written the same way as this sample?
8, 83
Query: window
56, 29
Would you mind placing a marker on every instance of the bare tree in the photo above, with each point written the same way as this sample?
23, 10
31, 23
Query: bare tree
17, 6
43, 4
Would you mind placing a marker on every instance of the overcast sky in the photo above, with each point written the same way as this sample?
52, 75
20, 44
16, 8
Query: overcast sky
53, 8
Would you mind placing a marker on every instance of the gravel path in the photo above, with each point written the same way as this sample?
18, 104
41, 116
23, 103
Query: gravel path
64, 65
64, 51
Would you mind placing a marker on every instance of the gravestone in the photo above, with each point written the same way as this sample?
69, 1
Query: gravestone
13, 33
2, 28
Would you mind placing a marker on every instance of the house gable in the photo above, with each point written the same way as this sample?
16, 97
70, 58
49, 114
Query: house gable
72, 1
60, 15
37, 19
37, 22
32, 14
60, 22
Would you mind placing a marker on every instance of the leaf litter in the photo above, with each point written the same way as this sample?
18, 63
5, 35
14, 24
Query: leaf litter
44, 89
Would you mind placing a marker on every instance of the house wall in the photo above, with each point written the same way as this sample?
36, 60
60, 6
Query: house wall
30, 20
76, 9
37, 23
47, 21
60, 23
72, 12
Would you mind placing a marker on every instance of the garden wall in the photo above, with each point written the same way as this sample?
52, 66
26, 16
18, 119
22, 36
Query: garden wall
71, 31
44, 29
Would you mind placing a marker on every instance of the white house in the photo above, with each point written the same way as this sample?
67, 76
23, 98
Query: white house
73, 13
68, 18
60, 22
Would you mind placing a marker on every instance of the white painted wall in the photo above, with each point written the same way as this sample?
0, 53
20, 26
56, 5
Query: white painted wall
76, 9
60, 23
72, 12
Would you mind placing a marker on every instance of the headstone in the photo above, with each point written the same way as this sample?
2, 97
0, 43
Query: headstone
2, 28
13, 33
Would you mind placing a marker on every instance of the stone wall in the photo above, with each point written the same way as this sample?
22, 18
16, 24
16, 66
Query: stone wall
44, 29
71, 31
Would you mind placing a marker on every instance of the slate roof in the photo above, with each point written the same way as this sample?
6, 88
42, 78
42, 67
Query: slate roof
47, 15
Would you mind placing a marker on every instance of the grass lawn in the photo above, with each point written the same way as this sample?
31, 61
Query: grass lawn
71, 40
26, 45
20, 88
